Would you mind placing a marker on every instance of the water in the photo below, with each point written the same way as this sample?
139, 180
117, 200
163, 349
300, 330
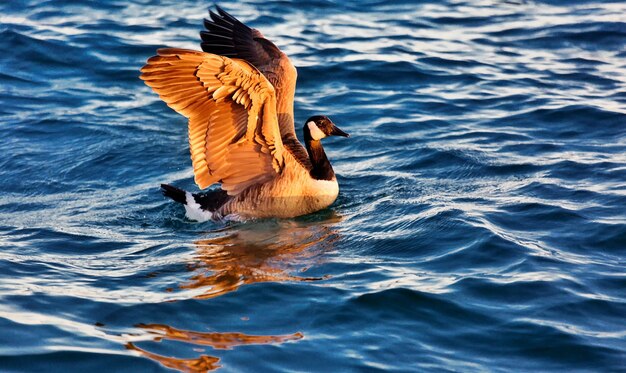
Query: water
481, 223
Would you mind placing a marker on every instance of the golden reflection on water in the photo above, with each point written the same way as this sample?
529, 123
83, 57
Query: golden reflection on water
248, 254
202, 363
261, 254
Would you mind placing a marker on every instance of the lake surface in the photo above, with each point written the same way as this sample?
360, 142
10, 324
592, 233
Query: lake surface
480, 226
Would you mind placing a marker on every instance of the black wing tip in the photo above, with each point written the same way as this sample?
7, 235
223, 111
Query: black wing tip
214, 17
222, 17
174, 193
225, 14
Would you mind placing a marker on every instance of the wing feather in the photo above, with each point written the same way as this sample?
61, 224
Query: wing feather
234, 136
227, 36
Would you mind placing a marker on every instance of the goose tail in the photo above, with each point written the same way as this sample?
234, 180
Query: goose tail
198, 206
174, 193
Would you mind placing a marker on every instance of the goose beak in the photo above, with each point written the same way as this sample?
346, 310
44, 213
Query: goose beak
337, 132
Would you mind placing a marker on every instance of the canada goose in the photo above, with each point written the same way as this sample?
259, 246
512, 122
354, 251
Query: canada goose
238, 95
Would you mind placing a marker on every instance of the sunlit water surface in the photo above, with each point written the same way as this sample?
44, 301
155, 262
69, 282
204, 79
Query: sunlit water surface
481, 223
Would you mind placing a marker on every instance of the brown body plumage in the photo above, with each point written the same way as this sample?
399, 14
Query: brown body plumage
241, 128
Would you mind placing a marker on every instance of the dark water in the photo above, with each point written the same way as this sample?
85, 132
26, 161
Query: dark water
481, 223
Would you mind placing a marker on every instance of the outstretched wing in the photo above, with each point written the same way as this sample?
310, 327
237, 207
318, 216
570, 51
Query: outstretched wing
227, 36
233, 128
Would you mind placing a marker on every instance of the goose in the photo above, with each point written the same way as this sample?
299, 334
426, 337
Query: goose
238, 94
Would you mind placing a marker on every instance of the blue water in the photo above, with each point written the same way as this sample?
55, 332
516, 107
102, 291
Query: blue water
481, 222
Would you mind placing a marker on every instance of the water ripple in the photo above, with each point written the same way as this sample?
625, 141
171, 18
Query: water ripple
480, 225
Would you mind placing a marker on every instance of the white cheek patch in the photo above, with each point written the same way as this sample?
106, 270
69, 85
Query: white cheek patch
316, 132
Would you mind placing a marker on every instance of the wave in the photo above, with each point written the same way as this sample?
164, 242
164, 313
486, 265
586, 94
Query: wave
479, 226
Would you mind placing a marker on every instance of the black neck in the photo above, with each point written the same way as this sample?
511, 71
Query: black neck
322, 170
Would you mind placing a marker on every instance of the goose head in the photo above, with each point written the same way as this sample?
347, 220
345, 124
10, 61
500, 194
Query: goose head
319, 126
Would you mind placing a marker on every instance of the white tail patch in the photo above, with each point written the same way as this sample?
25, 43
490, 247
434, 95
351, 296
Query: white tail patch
193, 211
316, 132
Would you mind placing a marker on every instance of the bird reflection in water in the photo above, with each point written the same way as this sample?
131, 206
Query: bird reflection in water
260, 252
267, 252
219, 341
